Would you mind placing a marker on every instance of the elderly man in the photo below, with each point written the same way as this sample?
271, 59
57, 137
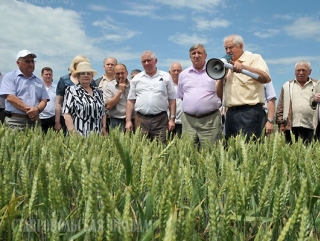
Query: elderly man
294, 113
25, 94
202, 118
151, 93
115, 95
175, 70
243, 95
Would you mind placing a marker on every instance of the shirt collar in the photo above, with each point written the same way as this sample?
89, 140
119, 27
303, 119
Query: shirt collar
19, 73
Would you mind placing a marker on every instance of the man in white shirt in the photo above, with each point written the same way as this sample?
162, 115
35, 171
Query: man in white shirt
151, 94
47, 116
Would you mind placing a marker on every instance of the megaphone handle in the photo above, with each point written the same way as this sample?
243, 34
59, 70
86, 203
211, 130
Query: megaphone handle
244, 71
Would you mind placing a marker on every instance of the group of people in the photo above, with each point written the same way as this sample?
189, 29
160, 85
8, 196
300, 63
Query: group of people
161, 102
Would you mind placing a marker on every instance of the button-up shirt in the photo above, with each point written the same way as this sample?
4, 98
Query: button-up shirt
151, 93
29, 90
241, 89
109, 91
198, 92
49, 111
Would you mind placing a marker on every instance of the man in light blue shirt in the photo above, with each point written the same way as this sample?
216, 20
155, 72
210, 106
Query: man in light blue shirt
47, 116
25, 94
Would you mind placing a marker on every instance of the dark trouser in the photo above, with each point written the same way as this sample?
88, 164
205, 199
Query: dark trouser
47, 123
299, 132
317, 134
245, 119
120, 123
177, 130
2, 115
154, 126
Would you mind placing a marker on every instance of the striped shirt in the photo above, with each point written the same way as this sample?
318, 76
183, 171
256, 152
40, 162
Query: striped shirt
86, 110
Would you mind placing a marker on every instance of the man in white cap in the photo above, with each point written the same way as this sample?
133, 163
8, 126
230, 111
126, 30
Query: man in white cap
25, 94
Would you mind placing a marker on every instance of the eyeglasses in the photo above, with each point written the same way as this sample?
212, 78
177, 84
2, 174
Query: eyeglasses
29, 61
85, 73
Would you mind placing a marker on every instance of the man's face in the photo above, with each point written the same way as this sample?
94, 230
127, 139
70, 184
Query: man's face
198, 57
47, 76
26, 65
148, 63
235, 50
175, 70
302, 73
109, 64
120, 73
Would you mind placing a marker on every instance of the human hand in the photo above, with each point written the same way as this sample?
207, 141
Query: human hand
317, 97
57, 126
129, 126
237, 66
33, 113
104, 131
268, 127
171, 125
122, 87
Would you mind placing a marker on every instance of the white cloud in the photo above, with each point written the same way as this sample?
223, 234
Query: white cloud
188, 40
204, 24
97, 8
266, 33
203, 5
56, 35
304, 28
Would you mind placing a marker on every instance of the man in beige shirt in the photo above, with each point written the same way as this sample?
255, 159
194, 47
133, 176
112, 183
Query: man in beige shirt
243, 95
294, 113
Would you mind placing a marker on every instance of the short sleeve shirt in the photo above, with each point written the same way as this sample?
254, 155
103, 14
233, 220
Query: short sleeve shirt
86, 110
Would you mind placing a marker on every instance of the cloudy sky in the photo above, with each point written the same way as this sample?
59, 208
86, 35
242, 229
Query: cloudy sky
283, 31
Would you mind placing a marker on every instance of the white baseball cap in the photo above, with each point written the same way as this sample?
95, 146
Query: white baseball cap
24, 53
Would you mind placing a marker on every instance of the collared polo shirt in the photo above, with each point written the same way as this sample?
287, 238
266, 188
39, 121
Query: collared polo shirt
198, 92
151, 93
241, 89
49, 111
30, 90
109, 91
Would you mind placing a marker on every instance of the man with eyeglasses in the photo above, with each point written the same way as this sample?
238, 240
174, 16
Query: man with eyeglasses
115, 95
25, 94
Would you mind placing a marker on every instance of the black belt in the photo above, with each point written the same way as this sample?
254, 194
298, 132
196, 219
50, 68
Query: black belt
151, 116
202, 115
239, 107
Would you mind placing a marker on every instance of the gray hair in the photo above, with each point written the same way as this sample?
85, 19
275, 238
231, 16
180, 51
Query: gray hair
152, 54
114, 59
195, 46
237, 39
303, 62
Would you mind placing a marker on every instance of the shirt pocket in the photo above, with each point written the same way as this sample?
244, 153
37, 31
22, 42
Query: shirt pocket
160, 86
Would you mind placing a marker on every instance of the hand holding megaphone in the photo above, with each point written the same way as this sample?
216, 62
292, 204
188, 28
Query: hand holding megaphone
216, 68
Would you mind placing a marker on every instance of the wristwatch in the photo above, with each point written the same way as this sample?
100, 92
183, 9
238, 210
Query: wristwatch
270, 120
173, 117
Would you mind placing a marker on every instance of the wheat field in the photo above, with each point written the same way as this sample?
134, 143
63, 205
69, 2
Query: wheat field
125, 187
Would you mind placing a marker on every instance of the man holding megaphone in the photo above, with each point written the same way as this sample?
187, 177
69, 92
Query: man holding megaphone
242, 89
